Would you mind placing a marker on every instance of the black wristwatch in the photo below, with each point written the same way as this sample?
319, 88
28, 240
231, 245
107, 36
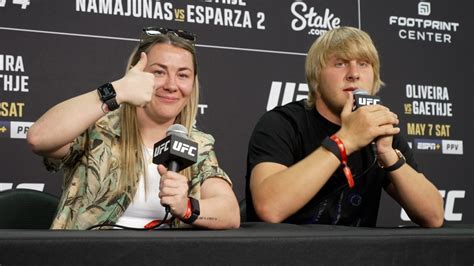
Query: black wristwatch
195, 211
399, 163
107, 95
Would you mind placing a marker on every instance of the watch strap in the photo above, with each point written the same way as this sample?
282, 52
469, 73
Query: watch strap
195, 211
112, 104
399, 163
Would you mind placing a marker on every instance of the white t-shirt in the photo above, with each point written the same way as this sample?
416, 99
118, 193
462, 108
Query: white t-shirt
145, 207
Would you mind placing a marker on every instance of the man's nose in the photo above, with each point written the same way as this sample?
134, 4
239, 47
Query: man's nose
353, 72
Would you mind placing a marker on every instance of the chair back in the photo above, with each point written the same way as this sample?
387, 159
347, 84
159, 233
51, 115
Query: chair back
27, 209
243, 210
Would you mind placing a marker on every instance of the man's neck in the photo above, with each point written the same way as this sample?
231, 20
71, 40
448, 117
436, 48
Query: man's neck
325, 112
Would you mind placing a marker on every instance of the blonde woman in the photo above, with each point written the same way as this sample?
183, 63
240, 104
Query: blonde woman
103, 142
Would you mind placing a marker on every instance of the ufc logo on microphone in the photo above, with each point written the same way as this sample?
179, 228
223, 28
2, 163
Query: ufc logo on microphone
162, 148
362, 101
184, 148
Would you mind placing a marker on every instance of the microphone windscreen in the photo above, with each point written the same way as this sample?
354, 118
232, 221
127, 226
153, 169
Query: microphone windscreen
177, 130
360, 92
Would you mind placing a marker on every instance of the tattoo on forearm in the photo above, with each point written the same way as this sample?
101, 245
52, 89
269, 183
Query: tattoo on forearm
208, 218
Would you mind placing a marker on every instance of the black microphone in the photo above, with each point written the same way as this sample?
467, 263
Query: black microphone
176, 151
363, 98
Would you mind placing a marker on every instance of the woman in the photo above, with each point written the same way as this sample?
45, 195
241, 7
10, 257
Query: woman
106, 153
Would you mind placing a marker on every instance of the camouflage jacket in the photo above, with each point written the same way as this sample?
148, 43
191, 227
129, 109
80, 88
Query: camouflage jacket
91, 170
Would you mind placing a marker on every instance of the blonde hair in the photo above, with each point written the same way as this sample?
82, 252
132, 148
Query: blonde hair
131, 144
347, 43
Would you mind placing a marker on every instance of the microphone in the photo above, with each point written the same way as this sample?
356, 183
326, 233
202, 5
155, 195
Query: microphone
363, 98
176, 151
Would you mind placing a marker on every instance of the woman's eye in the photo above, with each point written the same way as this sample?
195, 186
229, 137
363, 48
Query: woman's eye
159, 73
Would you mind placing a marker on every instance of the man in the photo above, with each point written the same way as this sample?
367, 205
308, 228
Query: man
311, 161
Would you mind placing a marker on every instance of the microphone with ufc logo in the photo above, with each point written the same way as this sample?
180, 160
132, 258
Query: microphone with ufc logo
363, 98
176, 151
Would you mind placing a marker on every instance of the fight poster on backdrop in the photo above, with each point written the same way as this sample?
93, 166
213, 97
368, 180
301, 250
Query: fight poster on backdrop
251, 59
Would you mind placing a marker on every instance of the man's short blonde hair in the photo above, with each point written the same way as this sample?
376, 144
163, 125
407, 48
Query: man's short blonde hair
347, 43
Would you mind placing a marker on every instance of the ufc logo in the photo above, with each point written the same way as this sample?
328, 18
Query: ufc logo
289, 93
184, 148
362, 101
33, 186
449, 214
162, 148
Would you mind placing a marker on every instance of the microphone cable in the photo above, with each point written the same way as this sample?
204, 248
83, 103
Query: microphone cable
148, 227
357, 176
373, 148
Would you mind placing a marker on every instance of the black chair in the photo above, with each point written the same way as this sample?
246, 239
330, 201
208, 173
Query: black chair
243, 210
26, 209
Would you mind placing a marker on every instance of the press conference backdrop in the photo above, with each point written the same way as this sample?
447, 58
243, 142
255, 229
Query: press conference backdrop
251, 57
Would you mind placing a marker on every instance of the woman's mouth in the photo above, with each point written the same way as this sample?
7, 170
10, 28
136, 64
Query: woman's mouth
167, 98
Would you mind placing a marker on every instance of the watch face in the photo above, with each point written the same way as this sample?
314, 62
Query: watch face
106, 92
400, 154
